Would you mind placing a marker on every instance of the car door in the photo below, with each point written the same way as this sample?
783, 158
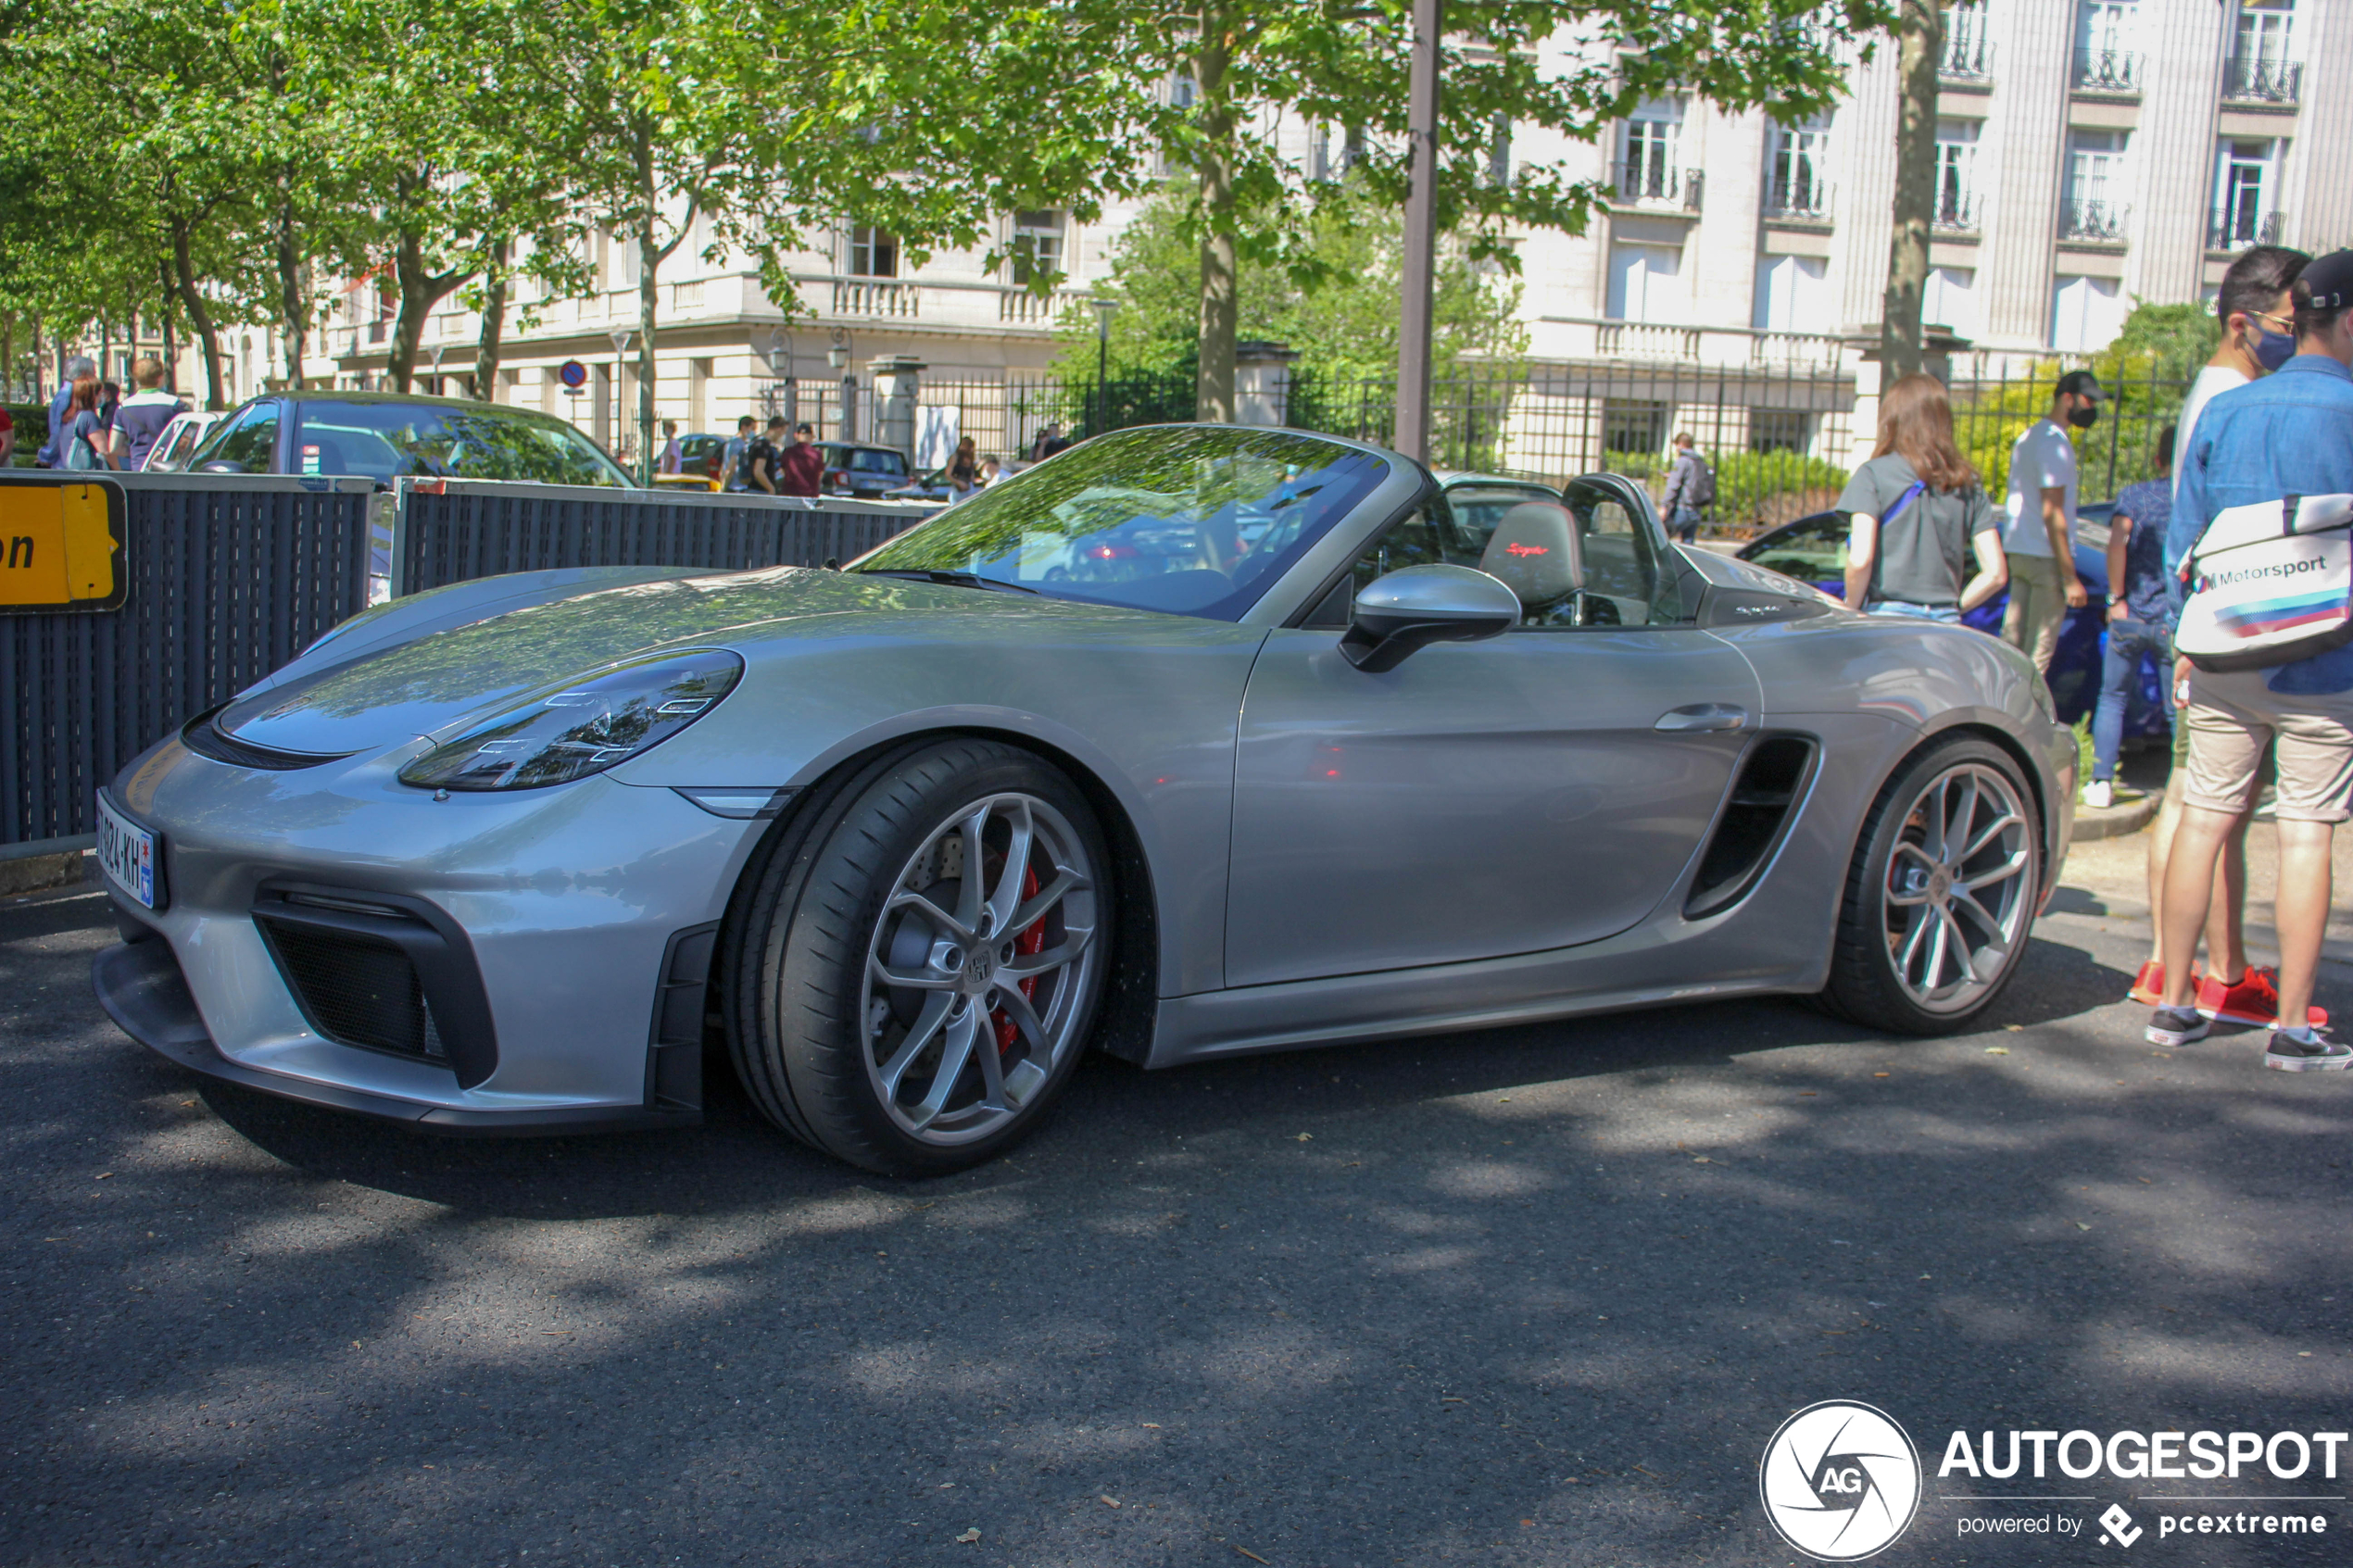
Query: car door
1541, 789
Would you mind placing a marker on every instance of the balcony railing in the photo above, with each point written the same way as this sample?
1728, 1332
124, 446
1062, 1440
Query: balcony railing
1805, 199
2237, 228
2107, 70
1591, 337
2093, 220
1967, 57
1657, 186
2258, 81
1956, 213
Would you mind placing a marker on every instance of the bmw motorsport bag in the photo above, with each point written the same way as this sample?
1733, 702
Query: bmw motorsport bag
2269, 583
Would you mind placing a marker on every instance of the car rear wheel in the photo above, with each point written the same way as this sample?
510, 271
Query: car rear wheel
1940, 895
919, 964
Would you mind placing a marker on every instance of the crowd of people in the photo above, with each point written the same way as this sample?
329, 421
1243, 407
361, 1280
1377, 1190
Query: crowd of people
93, 426
2268, 421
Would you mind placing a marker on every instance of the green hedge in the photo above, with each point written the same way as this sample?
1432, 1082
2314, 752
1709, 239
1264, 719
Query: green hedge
1754, 490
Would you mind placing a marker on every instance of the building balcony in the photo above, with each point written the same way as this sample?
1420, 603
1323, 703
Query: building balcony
2244, 225
1590, 337
1966, 60
1649, 186
1956, 213
2101, 220
1800, 201
2107, 70
2259, 80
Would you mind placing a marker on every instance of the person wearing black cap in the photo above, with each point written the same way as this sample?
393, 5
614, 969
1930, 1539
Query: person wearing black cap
2290, 433
2040, 541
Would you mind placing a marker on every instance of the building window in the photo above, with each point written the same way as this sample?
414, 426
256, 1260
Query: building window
1499, 151
1968, 56
1781, 430
2086, 314
1949, 300
1792, 294
1647, 170
2095, 205
873, 254
1634, 426
1797, 176
1037, 246
1644, 284
2243, 186
2260, 69
1956, 176
2105, 59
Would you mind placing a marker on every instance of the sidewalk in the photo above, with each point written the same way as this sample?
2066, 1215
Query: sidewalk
2110, 876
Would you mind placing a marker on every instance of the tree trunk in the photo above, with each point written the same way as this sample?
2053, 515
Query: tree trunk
649, 259
199, 315
170, 343
289, 296
494, 323
1900, 335
1220, 310
420, 291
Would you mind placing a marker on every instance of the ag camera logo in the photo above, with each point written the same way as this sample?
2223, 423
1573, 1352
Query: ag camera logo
1840, 1481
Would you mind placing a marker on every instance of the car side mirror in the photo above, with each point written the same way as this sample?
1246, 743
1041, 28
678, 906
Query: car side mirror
1419, 605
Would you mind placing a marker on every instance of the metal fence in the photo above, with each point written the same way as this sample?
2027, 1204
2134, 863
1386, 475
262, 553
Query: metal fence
1991, 412
452, 531
230, 576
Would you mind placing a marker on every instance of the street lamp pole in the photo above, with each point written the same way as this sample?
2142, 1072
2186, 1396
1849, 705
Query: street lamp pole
1411, 436
1103, 308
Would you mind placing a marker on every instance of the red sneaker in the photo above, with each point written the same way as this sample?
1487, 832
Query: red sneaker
2148, 986
2255, 999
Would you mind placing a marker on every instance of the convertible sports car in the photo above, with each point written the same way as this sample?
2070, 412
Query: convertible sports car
1191, 741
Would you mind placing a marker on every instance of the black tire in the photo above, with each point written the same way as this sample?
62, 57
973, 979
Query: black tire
1885, 966
813, 910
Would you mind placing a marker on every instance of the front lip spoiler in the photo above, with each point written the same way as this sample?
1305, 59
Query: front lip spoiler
139, 986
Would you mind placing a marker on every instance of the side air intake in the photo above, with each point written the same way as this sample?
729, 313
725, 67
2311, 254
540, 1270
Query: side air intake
1772, 777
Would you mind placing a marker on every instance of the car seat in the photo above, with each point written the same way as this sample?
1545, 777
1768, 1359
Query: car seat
1535, 550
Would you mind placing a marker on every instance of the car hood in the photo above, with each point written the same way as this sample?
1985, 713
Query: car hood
388, 697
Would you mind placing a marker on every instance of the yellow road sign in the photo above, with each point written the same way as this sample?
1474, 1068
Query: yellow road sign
61, 544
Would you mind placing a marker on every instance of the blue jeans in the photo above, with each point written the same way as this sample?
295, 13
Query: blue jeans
1684, 525
1948, 613
2120, 672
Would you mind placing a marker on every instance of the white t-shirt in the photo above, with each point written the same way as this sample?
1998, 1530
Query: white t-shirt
2041, 460
2211, 379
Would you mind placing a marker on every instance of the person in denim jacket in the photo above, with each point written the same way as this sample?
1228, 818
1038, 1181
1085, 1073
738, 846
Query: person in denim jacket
2290, 433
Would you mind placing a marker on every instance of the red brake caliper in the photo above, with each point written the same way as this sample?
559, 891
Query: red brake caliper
1028, 944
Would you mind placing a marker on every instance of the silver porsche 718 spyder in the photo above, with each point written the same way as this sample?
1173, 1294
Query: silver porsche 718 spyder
1191, 741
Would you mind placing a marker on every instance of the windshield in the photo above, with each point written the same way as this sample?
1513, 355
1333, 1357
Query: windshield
1477, 508
1191, 520
386, 440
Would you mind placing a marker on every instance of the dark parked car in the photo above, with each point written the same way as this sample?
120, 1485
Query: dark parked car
386, 436
855, 468
1812, 549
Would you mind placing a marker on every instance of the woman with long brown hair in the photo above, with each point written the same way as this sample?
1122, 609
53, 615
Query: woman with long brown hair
86, 443
1918, 506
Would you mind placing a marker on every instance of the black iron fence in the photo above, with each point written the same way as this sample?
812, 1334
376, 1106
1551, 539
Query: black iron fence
1990, 413
229, 577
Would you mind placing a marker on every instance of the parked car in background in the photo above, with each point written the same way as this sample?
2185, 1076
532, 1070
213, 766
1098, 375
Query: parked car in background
855, 468
1812, 549
180, 440
701, 463
932, 486
384, 436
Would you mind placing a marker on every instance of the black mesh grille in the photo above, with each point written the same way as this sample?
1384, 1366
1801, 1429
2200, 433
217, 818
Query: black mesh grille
357, 989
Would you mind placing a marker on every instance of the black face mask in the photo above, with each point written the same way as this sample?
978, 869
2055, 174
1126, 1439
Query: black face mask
2085, 418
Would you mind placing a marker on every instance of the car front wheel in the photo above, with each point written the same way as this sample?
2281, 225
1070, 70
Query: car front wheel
919, 965
1940, 893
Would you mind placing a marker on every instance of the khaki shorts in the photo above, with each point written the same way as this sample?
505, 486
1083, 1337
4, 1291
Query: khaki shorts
2231, 718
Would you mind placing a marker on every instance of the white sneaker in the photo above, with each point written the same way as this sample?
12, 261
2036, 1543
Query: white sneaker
2100, 794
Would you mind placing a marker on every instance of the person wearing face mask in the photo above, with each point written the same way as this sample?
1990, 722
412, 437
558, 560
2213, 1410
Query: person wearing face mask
2040, 543
2256, 305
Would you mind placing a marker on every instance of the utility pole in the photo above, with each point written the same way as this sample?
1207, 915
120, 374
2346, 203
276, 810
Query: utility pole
1920, 37
1411, 436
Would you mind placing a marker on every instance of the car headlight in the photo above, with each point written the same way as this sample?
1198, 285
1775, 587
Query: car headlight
582, 727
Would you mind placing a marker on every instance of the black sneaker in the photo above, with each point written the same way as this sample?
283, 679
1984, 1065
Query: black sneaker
2176, 1026
2319, 1054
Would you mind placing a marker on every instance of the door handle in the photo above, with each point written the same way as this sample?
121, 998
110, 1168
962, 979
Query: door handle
1703, 716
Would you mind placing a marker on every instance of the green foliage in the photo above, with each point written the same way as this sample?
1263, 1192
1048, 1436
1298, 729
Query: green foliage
2174, 340
1342, 320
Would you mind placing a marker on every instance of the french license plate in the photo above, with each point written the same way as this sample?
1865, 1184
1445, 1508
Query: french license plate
127, 854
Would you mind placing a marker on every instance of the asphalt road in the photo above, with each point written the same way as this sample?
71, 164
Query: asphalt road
1538, 1296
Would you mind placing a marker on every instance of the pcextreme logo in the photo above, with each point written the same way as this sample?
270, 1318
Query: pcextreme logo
1840, 1481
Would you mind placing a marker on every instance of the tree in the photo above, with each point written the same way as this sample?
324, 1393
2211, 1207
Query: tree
1921, 32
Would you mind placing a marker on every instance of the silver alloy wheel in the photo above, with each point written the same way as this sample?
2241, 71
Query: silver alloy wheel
976, 984
1959, 887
